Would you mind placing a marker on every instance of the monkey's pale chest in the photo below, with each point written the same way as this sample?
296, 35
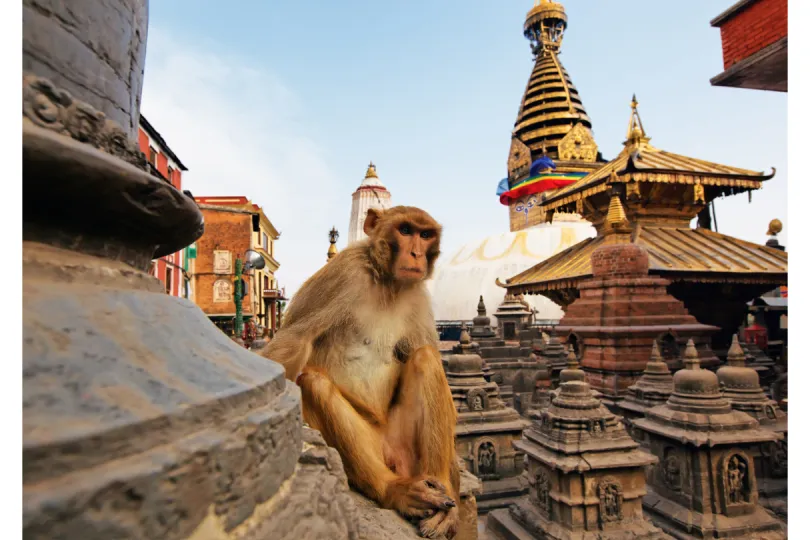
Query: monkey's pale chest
368, 366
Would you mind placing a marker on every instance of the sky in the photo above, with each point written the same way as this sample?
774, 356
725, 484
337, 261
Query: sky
286, 102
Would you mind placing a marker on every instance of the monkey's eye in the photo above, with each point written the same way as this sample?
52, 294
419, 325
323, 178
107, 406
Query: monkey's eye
405, 229
426, 234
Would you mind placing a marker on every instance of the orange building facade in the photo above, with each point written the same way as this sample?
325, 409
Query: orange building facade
163, 162
234, 225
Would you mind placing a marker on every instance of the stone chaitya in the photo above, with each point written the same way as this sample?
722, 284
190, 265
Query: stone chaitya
652, 389
586, 474
705, 483
482, 325
740, 384
486, 428
508, 364
555, 355
140, 418
541, 398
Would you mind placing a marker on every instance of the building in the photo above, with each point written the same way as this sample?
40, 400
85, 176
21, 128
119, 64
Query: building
163, 162
755, 45
552, 145
370, 194
644, 200
234, 225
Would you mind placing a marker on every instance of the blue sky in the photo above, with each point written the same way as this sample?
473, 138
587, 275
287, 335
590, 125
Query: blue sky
286, 102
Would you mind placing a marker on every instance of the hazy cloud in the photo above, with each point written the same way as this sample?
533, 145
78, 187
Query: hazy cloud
241, 131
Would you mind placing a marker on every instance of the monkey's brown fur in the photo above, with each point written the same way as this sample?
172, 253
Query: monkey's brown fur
360, 340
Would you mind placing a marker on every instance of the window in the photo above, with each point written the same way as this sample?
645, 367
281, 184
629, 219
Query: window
266, 282
171, 176
264, 241
169, 277
153, 156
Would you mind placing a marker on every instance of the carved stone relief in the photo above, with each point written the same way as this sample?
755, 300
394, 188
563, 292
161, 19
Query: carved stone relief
610, 501
543, 489
578, 145
477, 400
671, 469
487, 459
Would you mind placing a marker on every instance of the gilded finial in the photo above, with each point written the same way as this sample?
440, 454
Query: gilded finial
371, 172
690, 357
333, 238
736, 356
774, 227
635, 130
616, 217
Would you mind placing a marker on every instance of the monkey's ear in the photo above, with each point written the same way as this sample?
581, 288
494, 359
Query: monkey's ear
372, 218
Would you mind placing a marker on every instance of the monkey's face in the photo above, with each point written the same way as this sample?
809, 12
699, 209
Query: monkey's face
413, 246
405, 242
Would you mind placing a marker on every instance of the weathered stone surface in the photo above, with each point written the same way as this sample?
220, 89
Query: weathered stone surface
620, 312
705, 483
486, 428
92, 48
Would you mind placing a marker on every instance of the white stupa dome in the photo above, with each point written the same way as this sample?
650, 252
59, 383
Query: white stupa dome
471, 271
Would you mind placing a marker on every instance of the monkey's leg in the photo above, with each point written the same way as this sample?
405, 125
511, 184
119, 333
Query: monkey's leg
360, 445
425, 417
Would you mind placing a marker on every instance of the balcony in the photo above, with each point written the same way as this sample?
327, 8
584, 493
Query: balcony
273, 294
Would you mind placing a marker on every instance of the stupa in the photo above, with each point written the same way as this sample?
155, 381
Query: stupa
740, 385
482, 324
541, 397
705, 484
370, 194
659, 193
652, 389
555, 354
586, 474
485, 429
513, 316
551, 124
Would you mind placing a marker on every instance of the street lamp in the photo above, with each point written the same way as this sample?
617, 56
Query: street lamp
253, 261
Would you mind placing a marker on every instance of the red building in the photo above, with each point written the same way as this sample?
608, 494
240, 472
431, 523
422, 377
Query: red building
170, 270
755, 48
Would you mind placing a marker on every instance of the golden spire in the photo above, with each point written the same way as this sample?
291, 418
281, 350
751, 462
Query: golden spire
616, 216
333, 238
635, 130
372, 170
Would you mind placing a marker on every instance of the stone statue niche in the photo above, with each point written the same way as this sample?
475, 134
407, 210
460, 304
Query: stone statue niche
705, 483
486, 428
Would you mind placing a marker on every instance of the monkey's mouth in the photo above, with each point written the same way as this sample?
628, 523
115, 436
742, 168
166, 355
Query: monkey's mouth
414, 271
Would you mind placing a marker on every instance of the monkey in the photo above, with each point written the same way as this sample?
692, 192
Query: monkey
360, 341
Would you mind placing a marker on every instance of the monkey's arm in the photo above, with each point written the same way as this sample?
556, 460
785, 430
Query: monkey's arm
322, 303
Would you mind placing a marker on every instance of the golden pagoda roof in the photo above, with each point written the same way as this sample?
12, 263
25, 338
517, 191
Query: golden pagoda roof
640, 161
675, 253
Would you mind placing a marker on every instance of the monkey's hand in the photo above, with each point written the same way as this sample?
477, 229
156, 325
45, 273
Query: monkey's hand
445, 522
418, 497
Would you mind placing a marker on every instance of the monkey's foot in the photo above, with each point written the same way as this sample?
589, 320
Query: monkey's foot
419, 497
443, 523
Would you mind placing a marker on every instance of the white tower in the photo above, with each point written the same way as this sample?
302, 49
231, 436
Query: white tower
370, 194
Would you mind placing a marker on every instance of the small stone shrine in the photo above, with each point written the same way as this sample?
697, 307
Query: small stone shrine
555, 355
485, 429
513, 316
740, 385
482, 325
586, 474
652, 389
705, 483
541, 398
764, 365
